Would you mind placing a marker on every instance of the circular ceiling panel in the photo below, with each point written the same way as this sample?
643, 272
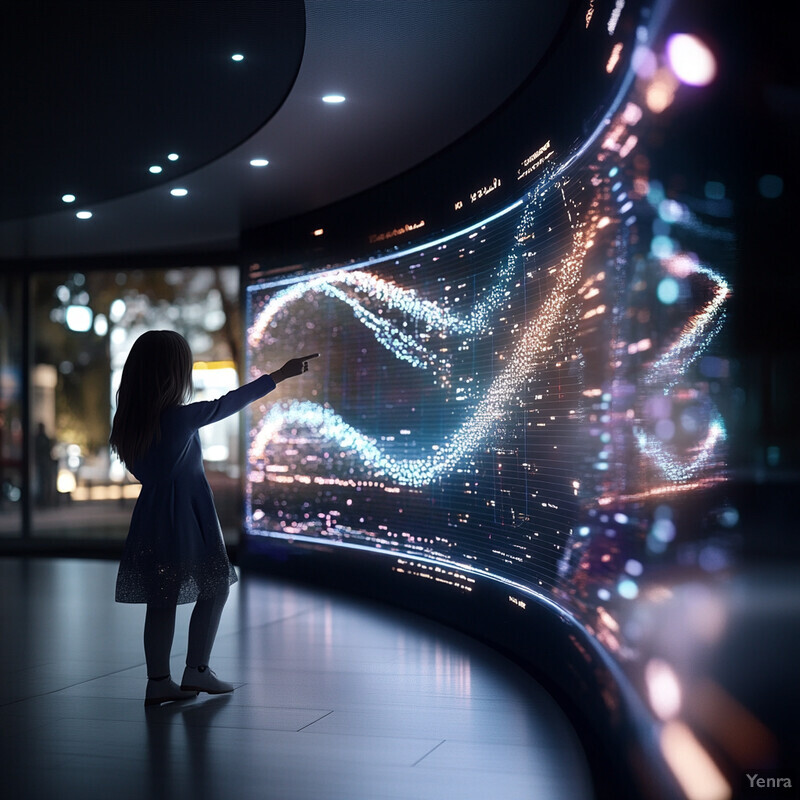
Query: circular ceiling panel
95, 94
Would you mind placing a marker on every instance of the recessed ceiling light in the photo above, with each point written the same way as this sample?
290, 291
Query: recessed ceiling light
68, 198
179, 192
258, 162
173, 156
155, 169
237, 57
333, 98
84, 215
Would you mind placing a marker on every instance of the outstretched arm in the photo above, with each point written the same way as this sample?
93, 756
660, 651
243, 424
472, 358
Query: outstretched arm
293, 367
196, 415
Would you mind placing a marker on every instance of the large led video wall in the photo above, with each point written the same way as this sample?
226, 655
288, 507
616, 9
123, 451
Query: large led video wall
531, 394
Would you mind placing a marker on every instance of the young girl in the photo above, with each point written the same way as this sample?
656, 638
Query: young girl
174, 552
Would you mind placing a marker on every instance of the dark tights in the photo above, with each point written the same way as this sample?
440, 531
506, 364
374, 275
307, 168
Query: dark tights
159, 630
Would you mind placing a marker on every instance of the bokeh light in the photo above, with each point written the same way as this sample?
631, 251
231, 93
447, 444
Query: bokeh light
668, 290
691, 60
663, 688
770, 186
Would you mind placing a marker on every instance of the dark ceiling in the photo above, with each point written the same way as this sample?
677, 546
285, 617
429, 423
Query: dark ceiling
102, 91
95, 93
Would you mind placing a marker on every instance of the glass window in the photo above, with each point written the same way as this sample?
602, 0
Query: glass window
83, 328
11, 398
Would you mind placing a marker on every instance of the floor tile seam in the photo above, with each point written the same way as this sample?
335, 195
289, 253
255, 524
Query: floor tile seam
255, 706
371, 736
174, 719
458, 739
313, 722
4, 705
278, 731
222, 725
237, 707
324, 712
425, 755
465, 739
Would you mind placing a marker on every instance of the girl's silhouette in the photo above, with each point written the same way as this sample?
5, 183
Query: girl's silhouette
174, 552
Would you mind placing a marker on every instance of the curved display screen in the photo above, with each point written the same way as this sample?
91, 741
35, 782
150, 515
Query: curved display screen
525, 373
496, 398
516, 398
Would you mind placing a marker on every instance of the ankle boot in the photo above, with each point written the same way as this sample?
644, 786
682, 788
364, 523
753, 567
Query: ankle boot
202, 679
165, 690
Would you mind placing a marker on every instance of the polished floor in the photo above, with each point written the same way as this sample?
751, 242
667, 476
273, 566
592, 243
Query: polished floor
335, 699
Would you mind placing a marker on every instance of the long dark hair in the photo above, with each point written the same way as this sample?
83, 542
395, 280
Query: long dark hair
157, 375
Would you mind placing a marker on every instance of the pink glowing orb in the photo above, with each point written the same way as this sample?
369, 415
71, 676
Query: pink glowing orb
691, 60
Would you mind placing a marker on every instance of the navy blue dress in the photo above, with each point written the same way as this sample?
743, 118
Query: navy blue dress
175, 552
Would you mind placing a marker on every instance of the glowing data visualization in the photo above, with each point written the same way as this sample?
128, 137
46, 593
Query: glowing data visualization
460, 412
528, 397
